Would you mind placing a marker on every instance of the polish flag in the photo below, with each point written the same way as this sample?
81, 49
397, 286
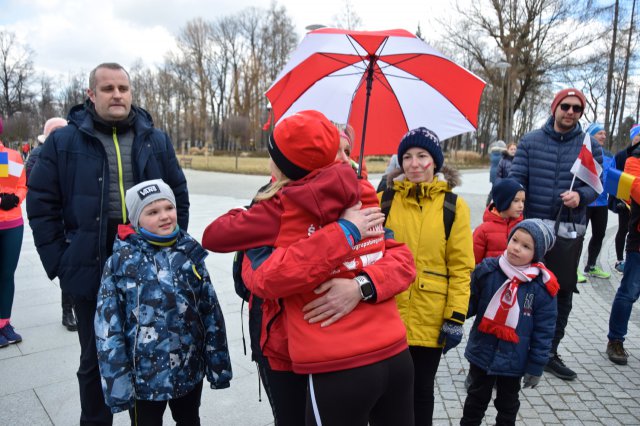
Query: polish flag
586, 168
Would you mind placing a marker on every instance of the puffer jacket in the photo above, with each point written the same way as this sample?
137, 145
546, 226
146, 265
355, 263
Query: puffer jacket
491, 237
159, 327
535, 330
67, 202
504, 166
441, 289
542, 165
632, 166
14, 183
494, 160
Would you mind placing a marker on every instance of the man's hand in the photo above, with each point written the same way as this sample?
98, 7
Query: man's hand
570, 199
368, 221
341, 296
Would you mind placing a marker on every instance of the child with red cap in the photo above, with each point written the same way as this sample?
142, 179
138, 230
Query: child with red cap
306, 235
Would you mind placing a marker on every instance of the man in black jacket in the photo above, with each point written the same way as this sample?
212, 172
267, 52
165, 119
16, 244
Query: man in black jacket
76, 202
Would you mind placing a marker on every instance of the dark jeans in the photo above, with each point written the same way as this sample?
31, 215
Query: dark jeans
565, 303
425, 364
184, 410
287, 392
621, 235
626, 296
377, 394
479, 395
94, 410
598, 217
10, 246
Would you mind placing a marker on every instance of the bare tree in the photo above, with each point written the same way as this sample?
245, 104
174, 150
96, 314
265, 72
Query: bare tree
347, 18
535, 38
612, 58
16, 68
626, 69
73, 92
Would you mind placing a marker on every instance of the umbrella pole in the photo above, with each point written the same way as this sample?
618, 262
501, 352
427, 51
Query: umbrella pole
372, 62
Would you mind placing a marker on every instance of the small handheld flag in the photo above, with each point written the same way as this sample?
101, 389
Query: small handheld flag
619, 183
4, 164
586, 168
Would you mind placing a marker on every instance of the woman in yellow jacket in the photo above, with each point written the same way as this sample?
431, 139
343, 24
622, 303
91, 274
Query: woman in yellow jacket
435, 305
13, 189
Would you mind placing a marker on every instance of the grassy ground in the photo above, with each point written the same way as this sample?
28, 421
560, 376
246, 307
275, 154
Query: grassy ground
252, 165
260, 165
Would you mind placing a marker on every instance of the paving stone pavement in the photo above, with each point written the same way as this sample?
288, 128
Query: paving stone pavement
37, 377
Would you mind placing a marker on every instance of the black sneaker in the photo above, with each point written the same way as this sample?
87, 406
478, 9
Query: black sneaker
556, 367
616, 352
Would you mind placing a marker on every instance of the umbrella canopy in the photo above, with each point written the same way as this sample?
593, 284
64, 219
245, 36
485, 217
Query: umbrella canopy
383, 83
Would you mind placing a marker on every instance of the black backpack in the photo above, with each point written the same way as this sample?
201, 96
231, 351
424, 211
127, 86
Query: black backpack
448, 212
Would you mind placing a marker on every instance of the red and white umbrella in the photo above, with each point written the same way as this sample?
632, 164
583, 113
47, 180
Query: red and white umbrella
383, 83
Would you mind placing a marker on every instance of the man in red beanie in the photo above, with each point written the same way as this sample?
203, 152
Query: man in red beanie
542, 165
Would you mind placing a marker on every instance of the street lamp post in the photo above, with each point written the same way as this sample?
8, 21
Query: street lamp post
504, 66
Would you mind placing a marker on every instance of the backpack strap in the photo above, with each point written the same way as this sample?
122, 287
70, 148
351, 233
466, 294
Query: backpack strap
385, 202
449, 212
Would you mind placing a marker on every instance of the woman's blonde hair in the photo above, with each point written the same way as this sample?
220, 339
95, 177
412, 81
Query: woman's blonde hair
272, 189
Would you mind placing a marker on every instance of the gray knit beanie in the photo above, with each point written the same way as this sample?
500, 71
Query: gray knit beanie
144, 193
542, 234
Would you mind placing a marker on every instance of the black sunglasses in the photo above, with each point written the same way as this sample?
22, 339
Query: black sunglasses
576, 108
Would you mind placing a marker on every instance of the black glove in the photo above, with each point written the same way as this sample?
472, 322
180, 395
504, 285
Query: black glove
621, 206
451, 335
8, 200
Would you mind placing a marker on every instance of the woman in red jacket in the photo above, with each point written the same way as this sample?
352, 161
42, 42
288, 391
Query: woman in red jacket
13, 189
301, 244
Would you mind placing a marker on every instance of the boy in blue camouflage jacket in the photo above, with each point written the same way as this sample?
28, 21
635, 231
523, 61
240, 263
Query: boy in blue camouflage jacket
159, 327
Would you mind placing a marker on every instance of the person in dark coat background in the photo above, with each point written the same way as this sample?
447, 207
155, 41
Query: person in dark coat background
495, 154
504, 166
68, 317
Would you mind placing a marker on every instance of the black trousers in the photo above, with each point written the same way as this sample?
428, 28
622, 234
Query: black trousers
598, 217
184, 410
507, 400
623, 230
377, 394
94, 410
565, 303
425, 364
287, 393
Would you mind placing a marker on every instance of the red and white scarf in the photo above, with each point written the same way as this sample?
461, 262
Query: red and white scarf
503, 311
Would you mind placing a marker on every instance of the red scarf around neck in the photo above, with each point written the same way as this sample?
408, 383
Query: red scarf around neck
503, 312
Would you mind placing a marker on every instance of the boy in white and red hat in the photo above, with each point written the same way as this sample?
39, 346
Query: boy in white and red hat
513, 299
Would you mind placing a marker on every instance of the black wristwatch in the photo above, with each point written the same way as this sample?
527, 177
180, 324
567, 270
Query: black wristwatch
366, 287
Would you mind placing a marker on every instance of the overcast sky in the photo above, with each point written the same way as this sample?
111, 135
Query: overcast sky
70, 36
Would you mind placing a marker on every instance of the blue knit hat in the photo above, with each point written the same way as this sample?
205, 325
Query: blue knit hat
594, 128
425, 139
542, 234
504, 191
635, 131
